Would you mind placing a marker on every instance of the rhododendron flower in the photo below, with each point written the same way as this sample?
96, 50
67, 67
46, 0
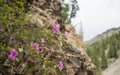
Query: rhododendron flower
20, 44
56, 28
13, 54
47, 55
40, 48
60, 65
36, 46
26, 60
65, 35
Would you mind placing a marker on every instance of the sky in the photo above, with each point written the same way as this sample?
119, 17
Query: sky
97, 16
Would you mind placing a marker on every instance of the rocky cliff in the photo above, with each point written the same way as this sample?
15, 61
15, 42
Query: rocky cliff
77, 62
44, 12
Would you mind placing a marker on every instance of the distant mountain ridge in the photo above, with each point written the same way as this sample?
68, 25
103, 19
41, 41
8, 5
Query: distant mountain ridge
105, 34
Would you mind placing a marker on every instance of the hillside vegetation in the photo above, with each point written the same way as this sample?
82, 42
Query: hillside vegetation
37, 40
103, 50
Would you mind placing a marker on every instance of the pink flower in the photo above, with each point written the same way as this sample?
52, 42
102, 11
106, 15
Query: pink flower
20, 44
47, 55
65, 35
26, 60
13, 54
40, 48
60, 65
56, 28
36, 46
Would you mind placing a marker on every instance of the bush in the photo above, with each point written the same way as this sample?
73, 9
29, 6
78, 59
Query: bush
17, 54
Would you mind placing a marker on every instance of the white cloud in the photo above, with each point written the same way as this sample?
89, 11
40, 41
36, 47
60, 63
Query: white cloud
97, 16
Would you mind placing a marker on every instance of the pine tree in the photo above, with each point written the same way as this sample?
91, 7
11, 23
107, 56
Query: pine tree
104, 60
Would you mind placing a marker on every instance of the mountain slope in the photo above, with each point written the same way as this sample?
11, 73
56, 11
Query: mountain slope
104, 47
104, 35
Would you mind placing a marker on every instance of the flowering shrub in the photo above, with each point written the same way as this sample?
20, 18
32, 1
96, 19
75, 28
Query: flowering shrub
33, 54
37, 58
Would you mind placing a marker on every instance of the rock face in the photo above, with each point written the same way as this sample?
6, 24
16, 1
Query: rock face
44, 12
76, 61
